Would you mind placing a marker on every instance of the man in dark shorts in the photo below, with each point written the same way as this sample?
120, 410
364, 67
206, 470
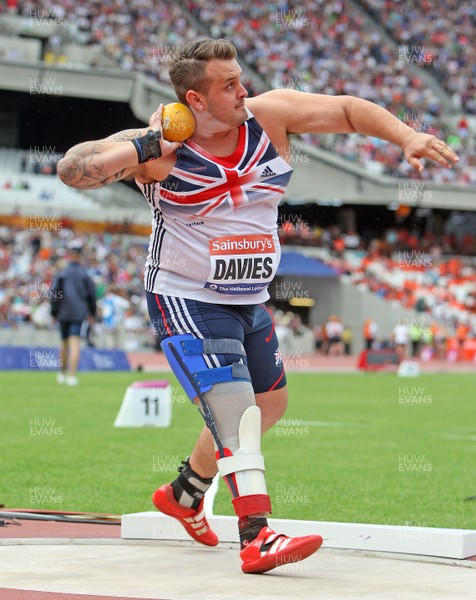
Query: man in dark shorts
213, 251
73, 300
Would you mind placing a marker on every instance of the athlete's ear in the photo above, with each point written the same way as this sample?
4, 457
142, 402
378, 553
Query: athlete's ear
194, 100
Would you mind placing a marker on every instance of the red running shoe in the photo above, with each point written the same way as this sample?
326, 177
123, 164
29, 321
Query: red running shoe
194, 521
270, 550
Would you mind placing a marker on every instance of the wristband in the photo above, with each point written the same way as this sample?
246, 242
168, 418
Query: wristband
148, 146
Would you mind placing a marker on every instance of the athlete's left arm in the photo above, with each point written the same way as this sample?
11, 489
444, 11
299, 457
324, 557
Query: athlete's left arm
303, 112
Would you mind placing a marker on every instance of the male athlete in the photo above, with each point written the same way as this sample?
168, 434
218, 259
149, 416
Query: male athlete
213, 251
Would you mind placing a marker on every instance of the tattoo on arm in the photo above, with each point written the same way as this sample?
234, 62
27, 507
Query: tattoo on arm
125, 136
83, 168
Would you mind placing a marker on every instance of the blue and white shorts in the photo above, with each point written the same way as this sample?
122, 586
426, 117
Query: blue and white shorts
252, 325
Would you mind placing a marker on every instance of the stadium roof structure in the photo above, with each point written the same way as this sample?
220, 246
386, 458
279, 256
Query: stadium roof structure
296, 264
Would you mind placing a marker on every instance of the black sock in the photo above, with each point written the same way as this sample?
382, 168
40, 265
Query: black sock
189, 488
249, 528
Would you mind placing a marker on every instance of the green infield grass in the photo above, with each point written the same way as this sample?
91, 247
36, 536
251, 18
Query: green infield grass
368, 448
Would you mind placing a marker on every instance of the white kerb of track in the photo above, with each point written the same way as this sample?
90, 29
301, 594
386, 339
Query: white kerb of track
408, 540
146, 404
422, 541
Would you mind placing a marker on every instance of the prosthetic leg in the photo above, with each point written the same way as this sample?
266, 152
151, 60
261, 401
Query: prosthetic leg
225, 398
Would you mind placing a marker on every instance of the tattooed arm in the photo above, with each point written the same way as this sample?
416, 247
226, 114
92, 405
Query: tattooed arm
97, 163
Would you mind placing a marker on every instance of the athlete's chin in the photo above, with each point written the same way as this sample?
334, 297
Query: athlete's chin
241, 114
235, 120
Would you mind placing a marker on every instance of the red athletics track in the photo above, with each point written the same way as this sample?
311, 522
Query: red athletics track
155, 362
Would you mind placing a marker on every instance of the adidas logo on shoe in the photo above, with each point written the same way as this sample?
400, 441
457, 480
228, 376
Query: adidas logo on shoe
194, 521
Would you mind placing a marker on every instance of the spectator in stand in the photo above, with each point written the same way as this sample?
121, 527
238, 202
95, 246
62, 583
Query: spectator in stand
462, 331
339, 246
319, 339
415, 333
114, 308
334, 331
347, 340
370, 332
400, 340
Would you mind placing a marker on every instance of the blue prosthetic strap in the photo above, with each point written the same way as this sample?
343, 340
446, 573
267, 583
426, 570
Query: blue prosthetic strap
191, 351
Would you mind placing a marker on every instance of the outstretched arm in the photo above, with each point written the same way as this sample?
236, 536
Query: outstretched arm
303, 112
97, 163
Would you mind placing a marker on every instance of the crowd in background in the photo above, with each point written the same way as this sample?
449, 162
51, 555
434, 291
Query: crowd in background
391, 241
444, 31
443, 289
329, 48
321, 46
434, 275
422, 272
30, 260
425, 340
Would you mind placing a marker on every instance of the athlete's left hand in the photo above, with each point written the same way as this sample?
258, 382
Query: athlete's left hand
423, 145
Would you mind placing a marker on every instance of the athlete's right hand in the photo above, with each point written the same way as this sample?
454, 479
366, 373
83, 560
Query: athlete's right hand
155, 123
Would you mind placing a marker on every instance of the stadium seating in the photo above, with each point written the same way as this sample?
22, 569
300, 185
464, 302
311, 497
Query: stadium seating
13, 48
326, 47
28, 185
443, 32
332, 48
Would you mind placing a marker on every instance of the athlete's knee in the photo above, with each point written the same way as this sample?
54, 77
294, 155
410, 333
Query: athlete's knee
273, 405
279, 398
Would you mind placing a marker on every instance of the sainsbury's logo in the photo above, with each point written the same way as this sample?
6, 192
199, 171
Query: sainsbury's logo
242, 244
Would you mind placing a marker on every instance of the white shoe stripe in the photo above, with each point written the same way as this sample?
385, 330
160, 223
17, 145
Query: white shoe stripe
275, 547
271, 538
284, 542
280, 543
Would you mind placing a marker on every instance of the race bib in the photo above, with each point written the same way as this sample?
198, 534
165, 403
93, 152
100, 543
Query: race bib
241, 264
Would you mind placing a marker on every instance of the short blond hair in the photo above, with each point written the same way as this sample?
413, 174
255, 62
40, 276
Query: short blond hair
187, 71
